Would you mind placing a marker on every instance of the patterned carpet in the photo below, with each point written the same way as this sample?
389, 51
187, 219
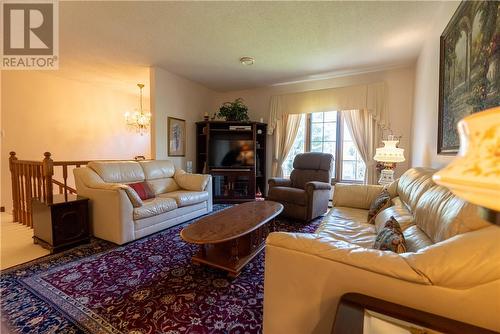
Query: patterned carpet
147, 286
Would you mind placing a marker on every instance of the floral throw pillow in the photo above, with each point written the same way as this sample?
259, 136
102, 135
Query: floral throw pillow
143, 190
382, 201
391, 238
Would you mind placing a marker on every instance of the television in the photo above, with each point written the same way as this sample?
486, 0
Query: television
229, 153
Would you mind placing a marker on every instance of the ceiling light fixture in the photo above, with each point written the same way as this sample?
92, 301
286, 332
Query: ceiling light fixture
247, 61
140, 119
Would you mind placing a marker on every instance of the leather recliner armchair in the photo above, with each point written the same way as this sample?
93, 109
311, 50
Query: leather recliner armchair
306, 194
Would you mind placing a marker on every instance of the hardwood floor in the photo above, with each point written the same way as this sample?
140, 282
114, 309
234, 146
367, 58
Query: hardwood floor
16, 243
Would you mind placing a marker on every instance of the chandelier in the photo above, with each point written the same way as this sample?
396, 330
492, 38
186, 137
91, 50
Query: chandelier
139, 119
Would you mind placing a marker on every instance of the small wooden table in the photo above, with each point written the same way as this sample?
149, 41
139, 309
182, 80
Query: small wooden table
61, 224
230, 238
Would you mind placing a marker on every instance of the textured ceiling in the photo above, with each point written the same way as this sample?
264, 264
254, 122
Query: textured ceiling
202, 41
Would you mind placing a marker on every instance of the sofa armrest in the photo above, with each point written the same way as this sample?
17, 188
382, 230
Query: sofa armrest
373, 260
279, 182
358, 196
194, 182
305, 277
110, 207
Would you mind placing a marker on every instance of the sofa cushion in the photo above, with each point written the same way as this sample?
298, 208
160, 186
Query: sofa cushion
185, 197
355, 195
154, 206
142, 189
413, 184
194, 182
442, 215
163, 185
465, 260
399, 211
416, 239
157, 169
118, 171
288, 194
348, 224
391, 238
381, 202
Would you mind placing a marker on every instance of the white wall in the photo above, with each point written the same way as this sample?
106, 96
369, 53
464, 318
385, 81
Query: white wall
425, 116
400, 100
73, 119
174, 96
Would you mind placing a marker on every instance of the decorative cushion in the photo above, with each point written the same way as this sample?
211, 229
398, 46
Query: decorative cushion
132, 195
381, 202
143, 190
391, 238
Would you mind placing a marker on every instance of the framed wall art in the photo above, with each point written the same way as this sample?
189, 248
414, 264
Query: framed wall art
176, 137
469, 68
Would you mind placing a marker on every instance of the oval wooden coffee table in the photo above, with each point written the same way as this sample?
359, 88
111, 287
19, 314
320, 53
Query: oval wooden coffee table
230, 238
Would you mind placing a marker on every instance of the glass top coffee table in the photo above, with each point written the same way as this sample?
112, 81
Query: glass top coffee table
231, 238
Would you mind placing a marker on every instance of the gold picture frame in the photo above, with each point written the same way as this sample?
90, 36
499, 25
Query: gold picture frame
176, 140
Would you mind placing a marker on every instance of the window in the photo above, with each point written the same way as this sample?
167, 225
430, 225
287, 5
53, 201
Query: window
327, 132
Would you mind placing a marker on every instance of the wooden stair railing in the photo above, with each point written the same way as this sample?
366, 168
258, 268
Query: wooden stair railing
62, 187
34, 179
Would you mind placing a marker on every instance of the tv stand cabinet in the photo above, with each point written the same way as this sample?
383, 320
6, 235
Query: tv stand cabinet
233, 184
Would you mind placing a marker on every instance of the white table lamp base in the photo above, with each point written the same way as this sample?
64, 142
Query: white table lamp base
386, 176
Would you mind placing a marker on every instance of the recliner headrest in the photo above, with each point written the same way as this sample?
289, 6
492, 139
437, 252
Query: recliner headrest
313, 160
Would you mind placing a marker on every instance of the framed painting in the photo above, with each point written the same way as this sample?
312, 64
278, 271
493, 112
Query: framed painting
176, 137
469, 68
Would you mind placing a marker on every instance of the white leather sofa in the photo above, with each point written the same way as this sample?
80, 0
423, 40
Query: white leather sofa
179, 197
451, 267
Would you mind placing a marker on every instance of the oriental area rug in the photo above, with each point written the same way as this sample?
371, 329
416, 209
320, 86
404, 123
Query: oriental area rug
148, 286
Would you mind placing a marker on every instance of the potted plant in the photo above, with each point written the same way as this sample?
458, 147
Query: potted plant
234, 111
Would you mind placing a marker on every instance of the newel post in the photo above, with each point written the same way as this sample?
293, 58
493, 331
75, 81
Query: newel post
15, 188
48, 172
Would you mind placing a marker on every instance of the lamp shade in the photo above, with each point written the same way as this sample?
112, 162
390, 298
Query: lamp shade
474, 174
389, 153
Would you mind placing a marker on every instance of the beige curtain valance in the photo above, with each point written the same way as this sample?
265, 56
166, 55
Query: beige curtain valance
370, 97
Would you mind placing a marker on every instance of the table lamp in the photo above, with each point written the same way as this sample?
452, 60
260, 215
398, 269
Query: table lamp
474, 174
389, 155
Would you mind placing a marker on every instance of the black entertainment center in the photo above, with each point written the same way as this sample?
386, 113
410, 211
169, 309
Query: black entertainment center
234, 153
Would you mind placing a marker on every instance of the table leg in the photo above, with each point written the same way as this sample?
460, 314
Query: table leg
234, 251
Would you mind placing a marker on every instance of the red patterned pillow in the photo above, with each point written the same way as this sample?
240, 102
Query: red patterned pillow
143, 190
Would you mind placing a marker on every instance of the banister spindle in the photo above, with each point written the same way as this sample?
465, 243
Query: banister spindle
48, 172
14, 185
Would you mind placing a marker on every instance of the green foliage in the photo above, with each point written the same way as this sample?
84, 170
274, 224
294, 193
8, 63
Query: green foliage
234, 111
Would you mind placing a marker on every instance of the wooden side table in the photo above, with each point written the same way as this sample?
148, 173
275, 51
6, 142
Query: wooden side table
351, 316
62, 224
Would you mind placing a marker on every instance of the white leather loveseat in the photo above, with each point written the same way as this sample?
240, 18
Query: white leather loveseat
451, 267
179, 197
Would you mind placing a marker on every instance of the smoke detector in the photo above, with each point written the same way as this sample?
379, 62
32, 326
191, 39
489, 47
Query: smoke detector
247, 61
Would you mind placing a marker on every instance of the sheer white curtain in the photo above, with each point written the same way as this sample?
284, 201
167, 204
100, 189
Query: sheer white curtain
370, 99
286, 132
365, 134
